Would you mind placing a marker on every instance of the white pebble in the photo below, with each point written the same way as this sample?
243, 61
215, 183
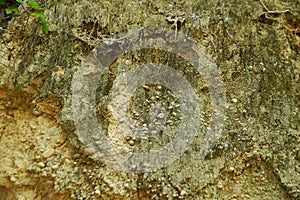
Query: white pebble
48, 153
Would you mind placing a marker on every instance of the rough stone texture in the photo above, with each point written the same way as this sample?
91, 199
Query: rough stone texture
257, 53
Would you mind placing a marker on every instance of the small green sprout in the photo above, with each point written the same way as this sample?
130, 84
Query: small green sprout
12, 8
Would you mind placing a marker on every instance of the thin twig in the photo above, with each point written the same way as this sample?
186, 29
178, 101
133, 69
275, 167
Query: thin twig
276, 12
265, 7
271, 11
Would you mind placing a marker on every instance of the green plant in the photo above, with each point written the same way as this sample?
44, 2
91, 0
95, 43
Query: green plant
44, 23
12, 7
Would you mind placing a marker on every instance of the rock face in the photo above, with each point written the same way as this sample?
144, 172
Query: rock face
255, 46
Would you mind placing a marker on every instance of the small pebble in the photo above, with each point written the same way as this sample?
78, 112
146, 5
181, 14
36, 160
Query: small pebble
37, 111
131, 142
48, 153
41, 164
231, 169
55, 166
146, 87
220, 186
183, 192
161, 115
97, 192
13, 179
